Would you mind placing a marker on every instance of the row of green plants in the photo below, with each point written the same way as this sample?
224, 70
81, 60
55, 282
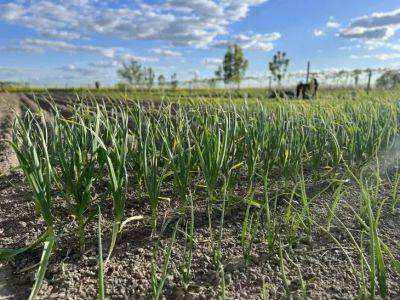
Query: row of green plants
212, 148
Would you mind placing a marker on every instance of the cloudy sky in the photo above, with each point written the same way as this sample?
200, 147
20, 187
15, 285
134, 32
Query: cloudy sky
57, 42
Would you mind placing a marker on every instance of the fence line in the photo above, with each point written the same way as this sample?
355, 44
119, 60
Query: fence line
330, 79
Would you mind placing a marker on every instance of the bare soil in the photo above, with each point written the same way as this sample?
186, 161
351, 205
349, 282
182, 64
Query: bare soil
71, 275
9, 107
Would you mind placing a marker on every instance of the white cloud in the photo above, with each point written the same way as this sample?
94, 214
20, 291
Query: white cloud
212, 61
100, 70
11, 11
349, 48
394, 64
380, 26
42, 46
380, 33
387, 56
373, 44
106, 64
7, 72
318, 32
180, 22
142, 59
251, 41
395, 47
207, 8
63, 35
378, 20
381, 56
332, 24
73, 69
73, 74
39, 45
165, 52
378, 44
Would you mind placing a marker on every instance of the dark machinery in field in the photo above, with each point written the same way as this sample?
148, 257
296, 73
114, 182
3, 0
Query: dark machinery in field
303, 91
307, 90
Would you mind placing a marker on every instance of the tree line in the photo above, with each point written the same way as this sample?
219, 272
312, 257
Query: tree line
136, 75
233, 70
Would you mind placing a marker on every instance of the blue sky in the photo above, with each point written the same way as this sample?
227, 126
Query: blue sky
78, 41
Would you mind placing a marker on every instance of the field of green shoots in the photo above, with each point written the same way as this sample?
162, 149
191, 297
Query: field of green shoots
200, 199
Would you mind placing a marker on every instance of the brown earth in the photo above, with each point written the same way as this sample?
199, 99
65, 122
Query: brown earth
322, 264
9, 106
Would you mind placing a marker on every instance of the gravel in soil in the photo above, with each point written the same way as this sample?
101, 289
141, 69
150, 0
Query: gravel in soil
321, 263
72, 275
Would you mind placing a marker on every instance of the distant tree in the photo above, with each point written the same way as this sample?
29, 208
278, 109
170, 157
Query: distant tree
149, 77
97, 84
219, 73
161, 81
389, 80
227, 65
196, 77
356, 74
174, 81
341, 76
212, 83
132, 72
233, 67
278, 66
240, 65
123, 85
369, 74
